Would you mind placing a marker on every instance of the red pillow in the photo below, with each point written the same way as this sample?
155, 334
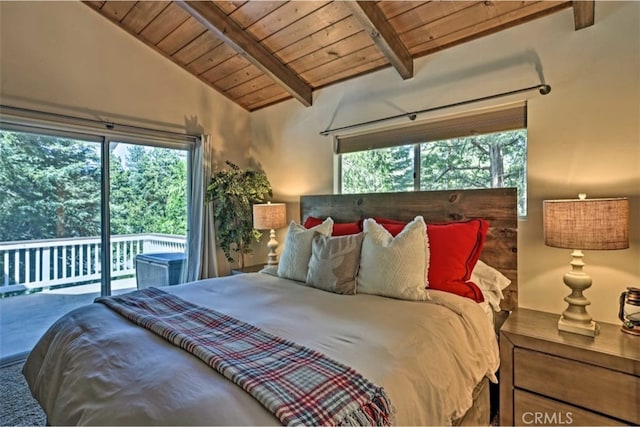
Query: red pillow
339, 229
464, 289
454, 250
391, 225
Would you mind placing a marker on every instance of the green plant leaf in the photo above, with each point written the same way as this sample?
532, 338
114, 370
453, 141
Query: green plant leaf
233, 192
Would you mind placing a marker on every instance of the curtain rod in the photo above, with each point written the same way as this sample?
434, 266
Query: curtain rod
543, 88
101, 123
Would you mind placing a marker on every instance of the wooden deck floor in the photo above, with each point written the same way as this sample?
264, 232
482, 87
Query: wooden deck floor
24, 318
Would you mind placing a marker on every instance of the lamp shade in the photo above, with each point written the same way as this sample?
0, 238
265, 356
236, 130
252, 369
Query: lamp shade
586, 223
269, 216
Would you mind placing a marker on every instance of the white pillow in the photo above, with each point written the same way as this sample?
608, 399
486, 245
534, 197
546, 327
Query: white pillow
394, 267
491, 282
294, 260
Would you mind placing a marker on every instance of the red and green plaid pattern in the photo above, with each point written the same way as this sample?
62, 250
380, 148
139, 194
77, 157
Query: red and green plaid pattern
298, 385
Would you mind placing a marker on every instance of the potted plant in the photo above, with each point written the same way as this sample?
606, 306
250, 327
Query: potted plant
233, 192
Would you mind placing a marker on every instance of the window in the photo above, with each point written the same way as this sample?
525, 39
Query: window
487, 150
51, 222
382, 170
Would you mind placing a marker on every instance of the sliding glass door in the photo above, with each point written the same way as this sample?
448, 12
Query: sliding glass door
50, 227
148, 214
64, 198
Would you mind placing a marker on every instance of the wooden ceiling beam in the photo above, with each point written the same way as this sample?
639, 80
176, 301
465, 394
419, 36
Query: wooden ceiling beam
583, 13
215, 20
384, 36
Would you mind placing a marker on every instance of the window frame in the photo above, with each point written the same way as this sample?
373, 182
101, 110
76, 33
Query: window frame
491, 120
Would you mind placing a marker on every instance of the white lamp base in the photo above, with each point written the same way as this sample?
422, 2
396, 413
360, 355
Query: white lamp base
575, 318
272, 245
590, 329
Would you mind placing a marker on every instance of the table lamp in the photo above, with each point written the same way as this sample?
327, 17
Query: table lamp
577, 224
270, 216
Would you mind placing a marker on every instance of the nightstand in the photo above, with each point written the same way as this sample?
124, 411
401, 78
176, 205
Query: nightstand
549, 377
248, 269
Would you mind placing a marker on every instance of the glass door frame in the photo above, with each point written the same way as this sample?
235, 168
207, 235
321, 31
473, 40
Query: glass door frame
105, 139
106, 190
79, 136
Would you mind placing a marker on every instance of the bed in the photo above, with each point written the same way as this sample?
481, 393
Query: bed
433, 358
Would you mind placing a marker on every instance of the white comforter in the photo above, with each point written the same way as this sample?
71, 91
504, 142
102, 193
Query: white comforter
95, 367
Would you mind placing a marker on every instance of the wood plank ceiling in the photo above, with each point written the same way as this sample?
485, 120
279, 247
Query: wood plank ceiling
258, 53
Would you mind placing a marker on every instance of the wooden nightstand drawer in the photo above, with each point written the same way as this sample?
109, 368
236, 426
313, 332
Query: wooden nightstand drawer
548, 373
591, 387
531, 409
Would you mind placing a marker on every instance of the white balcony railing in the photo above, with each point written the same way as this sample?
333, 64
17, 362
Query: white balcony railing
36, 264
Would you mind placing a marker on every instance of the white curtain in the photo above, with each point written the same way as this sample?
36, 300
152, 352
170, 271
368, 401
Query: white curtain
201, 259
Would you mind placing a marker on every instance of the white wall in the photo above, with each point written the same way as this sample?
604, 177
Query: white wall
63, 57
583, 137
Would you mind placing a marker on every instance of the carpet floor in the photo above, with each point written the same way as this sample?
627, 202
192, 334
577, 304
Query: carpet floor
17, 407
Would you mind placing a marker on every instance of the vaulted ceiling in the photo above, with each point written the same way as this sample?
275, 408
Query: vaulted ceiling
258, 53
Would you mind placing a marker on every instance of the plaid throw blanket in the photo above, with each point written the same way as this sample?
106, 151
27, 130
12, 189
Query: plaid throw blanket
298, 385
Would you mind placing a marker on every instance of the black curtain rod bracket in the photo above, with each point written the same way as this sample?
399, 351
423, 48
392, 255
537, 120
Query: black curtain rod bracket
544, 89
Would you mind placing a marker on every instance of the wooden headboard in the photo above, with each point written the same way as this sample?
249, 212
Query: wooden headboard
498, 206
